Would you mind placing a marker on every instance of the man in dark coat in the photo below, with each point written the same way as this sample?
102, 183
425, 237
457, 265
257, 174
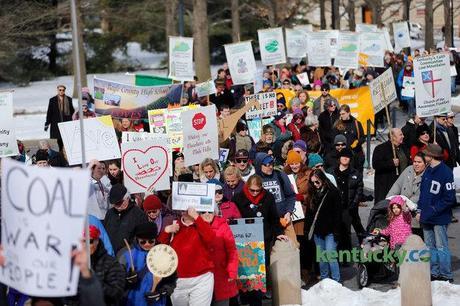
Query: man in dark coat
326, 122
446, 139
410, 132
60, 109
387, 166
122, 218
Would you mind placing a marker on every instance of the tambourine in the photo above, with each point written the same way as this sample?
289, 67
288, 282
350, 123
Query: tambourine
162, 260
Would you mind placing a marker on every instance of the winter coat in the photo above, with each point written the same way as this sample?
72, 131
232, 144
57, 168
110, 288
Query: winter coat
307, 135
120, 225
398, 229
354, 187
280, 139
54, 116
330, 213
318, 104
437, 195
225, 258
385, 170
229, 210
230, 192
407, 184
110, 274
352, 130
410, 135
446, 139
295, 130
277, 184
326, 122
90, 292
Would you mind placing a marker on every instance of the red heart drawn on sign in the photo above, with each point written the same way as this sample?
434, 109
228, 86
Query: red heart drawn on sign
145, 168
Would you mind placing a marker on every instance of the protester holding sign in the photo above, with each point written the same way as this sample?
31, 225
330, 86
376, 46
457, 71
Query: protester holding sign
406, 72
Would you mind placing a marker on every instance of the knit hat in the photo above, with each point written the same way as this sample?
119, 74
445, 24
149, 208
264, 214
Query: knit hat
41, 155
293, 157
397, 200
422, 129
146, 230
301, 145
94, 232
433, 150
267, 160
280, 115
340, 139
176, 155
314, 159
117, 193
295, 101
241, 126
346, 153
151, 202
216, 182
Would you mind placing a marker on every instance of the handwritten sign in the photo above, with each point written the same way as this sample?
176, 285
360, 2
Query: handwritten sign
383, 90
43, 213
198, 195
297, 214
157, 121
267, 103
8, 145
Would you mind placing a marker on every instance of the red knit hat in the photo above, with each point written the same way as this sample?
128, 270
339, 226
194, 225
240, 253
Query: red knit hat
152, 202
94, 232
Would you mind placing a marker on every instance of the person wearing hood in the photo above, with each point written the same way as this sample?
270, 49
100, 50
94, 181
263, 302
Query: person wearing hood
139, 279
277, 183
331, 159
240, 140
233, 182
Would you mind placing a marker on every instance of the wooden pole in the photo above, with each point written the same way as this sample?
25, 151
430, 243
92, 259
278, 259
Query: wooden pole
434, 129
389, 124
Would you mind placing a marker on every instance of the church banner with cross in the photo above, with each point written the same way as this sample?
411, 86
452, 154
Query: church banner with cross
432, 84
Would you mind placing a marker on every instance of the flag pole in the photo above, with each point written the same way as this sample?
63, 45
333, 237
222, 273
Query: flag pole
389, 123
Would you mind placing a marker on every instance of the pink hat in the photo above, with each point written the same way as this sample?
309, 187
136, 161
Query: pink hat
397, 200
317, 82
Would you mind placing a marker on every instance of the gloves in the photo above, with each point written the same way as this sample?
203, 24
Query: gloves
299, 197
354, 144
46, 128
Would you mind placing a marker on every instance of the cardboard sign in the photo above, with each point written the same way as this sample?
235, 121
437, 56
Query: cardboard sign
8, 144
432, 84
249, 239
408, 89
241, 62
319, 49
223, 155
146, 165
383, 90
271, 43
297, 214
43, 213
205, 88
100, 140
198, 195
347, 51
200, 135
267, 103
181, 58
303, 78
296, 43
401, 35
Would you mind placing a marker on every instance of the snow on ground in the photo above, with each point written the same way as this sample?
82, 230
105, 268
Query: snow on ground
328, 292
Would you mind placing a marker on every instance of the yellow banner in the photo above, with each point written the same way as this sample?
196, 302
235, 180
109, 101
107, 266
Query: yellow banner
359, 100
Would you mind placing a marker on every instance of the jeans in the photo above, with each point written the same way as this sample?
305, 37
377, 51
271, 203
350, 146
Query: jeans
328, 243
440, 257
453, 86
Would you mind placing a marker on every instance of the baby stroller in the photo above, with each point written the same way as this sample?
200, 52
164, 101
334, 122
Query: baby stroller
375, 271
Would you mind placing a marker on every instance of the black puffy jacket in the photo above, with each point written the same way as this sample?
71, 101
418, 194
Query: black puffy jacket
355, 187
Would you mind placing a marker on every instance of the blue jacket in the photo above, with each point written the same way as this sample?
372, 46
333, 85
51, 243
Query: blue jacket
437, 195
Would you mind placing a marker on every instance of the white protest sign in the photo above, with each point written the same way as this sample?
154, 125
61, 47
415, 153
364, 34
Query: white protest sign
8, 144
100, 140
408, 89
364, 27
223, 155
255, 129
267, 103
333, 39
200, 135
181, 58
319, 49
347, 51
297, 214
401, 35
383, 90
303, 78
241, 62
388, 40
198, 195
373, 45
304, 27
146, 165
296, 43
205, 88
43, 213
432, 83
271, 43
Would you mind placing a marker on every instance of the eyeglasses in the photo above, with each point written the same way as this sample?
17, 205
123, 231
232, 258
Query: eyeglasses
315, 182
219, 192
325, 90
242, 161
340, 145
61, 89
254, 190
451, 117
145, 241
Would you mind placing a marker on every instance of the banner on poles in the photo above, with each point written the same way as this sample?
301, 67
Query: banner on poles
432, 84
151, 80
347, 51
205, 89
401, 35
100, 140
181, 58
296, 43
319, 49
267, 105
241, 62
383, 90
271, 43
8, 144
200, 135
201, 196
373, 45
129, 101
43, 213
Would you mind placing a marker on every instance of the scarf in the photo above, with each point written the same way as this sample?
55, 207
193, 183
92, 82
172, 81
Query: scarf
253, 199
64, 107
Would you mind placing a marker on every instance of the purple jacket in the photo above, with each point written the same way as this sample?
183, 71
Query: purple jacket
229, 192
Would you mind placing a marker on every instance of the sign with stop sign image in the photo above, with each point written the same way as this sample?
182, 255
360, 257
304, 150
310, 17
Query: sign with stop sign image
200, 135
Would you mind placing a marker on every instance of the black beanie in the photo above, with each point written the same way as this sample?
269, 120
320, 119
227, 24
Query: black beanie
147, 230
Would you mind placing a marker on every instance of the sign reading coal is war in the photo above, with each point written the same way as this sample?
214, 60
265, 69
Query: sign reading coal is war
432, 84
267, 103
200, 135
43, 213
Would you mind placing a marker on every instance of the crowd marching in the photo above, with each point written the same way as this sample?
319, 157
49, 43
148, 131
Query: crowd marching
317, 141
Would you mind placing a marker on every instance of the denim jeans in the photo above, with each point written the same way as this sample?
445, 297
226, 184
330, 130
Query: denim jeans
328, 243
440, 257
453, 86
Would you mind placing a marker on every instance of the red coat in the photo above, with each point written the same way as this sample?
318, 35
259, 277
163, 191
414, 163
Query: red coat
229, 210
192, 245
295, 131
225, 258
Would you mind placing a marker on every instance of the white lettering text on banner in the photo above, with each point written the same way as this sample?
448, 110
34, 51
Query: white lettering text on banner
383, 90
267, 103
181, 58
432, 84
296, 43
8, 144
271, 43
347, 51
200, 135
100, 140
205, 88
401, 35
43, 213
198, 195
373, 45
319, 49
241, 62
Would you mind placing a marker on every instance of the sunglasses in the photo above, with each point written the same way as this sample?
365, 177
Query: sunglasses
425, 133
450, 117
315, 182
219, 192
340, 145
242, 161
61, 89
145, 241
254, 190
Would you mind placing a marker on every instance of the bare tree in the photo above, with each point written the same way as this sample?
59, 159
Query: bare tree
335, 16
429, 37
201, 39
447, 23
406, 9
171, 14
351, 15
322, 8
235, 20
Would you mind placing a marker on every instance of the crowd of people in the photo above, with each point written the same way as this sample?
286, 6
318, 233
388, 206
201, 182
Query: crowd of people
317, 141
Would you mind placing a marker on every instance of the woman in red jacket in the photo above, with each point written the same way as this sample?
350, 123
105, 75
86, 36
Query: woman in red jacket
225, 258
193, 239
